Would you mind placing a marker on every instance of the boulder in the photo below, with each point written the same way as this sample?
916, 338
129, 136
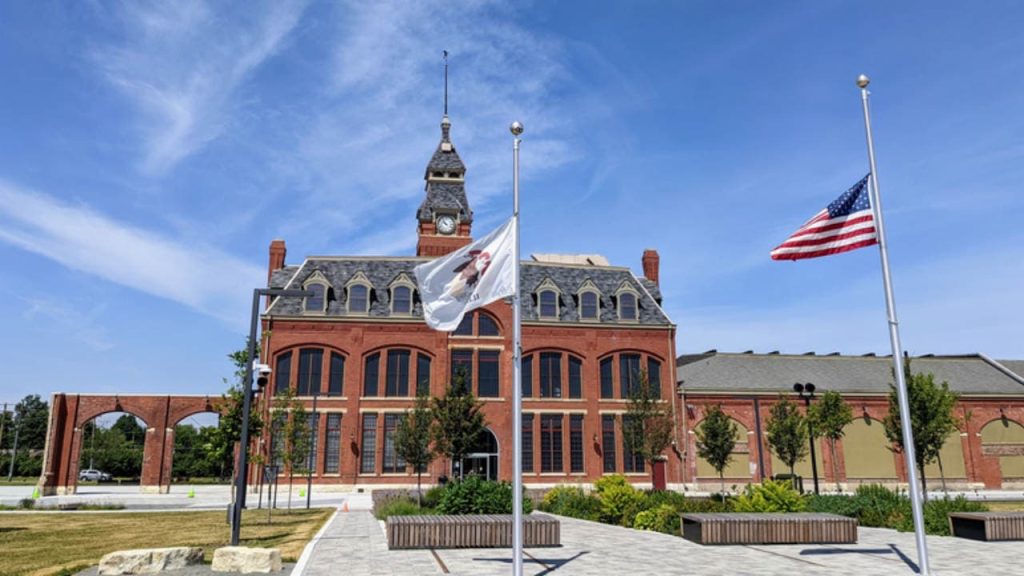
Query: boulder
243, 559
149, 560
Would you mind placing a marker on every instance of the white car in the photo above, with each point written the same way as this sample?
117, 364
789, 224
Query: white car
95, 475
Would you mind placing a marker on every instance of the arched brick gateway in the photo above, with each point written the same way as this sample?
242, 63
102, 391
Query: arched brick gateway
160, 413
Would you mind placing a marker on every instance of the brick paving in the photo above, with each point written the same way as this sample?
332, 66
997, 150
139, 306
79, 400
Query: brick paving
354, 544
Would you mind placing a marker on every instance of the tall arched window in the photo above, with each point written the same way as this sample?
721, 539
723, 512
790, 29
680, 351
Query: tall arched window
399, 380
401, 300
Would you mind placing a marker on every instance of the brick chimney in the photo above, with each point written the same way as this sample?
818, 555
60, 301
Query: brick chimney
277, 255
650, 261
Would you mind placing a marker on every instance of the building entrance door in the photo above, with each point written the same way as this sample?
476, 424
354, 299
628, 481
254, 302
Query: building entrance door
482, 460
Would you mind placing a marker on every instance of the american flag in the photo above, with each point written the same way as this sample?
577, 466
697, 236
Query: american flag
846, 224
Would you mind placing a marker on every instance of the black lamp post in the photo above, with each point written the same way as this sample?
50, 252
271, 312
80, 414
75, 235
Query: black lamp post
241, 475
806, 393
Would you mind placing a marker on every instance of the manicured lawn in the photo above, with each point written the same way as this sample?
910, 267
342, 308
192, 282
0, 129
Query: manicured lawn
56, 543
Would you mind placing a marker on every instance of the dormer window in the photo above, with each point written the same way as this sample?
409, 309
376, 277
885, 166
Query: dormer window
548, 304
547, 300
588, 300
627, 306
358, 298
319, 286
438, 174
317, 302
401, 300
628, 301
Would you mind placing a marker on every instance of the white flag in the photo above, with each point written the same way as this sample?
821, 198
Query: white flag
471, 277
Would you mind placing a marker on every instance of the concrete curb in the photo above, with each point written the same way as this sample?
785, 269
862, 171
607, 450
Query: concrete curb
307, 552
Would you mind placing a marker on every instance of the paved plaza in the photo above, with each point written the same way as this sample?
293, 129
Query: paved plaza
354, 544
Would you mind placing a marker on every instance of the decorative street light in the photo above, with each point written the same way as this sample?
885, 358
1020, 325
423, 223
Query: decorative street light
241, 475
806, 393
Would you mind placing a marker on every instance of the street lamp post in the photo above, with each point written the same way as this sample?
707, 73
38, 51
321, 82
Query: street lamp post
806, 393
241, 475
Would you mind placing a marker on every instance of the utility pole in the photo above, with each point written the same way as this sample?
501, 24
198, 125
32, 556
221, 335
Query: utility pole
3, 420
14, 453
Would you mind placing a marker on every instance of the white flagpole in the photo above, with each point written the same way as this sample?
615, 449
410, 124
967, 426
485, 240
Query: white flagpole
894, 337
517, 391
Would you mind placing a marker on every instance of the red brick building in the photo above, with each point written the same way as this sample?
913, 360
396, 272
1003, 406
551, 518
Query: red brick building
986, 451
361, 346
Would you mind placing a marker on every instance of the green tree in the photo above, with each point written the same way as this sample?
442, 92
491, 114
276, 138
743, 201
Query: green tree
27, 422
787, 432
647, 427
290, 419
229, 427
129, 427
716, 439
830, 415
931, 418
412, 440
458, 421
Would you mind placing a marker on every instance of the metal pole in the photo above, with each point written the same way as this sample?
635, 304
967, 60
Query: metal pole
894, 338
14, 452
243, 461
517, 390
814, 457
3, 420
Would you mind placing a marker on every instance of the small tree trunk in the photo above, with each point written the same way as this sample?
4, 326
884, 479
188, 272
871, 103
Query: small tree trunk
924, 483
291, 481
721, 478
835, 463
419, 486
942, 475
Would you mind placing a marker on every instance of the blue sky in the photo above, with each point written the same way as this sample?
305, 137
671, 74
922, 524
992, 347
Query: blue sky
149, 152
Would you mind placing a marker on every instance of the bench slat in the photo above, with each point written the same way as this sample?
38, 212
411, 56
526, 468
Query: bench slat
745, 528
469, 531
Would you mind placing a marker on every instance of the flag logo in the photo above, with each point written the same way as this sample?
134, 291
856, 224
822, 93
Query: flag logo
471, 277
846, 224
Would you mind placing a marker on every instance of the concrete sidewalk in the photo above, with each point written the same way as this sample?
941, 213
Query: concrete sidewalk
355, 544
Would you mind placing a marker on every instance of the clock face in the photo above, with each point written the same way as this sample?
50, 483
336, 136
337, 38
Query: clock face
446, 225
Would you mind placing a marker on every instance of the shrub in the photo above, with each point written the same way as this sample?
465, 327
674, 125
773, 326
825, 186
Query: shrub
474, 495
610, 481
620, 503
26, 503
936, 514
833, 504
400, 507
432, 497
572, 501
879, 507
770, 496
701, 505
662, 518
658, 497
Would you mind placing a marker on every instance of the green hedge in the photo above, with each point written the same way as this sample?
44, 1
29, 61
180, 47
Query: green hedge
876, 506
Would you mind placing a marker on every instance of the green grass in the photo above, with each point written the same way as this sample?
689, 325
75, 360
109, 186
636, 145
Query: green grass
52, 544
19, 481
1007, 506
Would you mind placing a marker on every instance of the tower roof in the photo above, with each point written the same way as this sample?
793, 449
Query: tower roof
445, 177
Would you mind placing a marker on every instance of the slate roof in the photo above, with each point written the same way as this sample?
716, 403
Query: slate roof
447, 196
381, 272
1015, 366
776, 373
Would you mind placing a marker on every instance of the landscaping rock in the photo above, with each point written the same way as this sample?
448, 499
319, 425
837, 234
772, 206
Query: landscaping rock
242, 559
149, 560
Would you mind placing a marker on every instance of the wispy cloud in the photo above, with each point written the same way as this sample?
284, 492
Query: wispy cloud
77, 322
377, 120
197, 276
180, 63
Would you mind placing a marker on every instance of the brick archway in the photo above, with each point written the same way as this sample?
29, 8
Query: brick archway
70, 412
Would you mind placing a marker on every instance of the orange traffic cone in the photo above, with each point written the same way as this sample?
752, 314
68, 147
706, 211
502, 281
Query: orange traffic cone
344, 507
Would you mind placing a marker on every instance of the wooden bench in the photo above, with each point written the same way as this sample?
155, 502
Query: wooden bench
791, 528
988, 526
470, 531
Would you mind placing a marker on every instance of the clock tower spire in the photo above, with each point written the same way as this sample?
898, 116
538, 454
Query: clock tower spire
444, 218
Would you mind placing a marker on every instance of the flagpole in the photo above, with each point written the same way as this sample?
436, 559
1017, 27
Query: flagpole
894, 338
517, 391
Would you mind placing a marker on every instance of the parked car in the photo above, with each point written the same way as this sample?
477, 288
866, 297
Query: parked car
94, 475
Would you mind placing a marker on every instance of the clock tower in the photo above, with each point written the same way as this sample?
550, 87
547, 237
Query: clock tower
444, 217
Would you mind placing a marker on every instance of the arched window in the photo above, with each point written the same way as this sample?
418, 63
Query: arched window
627, 306
401, 300
632, 368
358, 299
554, 370
399, 379
589, 305
477, 324
318, 301
548, 304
